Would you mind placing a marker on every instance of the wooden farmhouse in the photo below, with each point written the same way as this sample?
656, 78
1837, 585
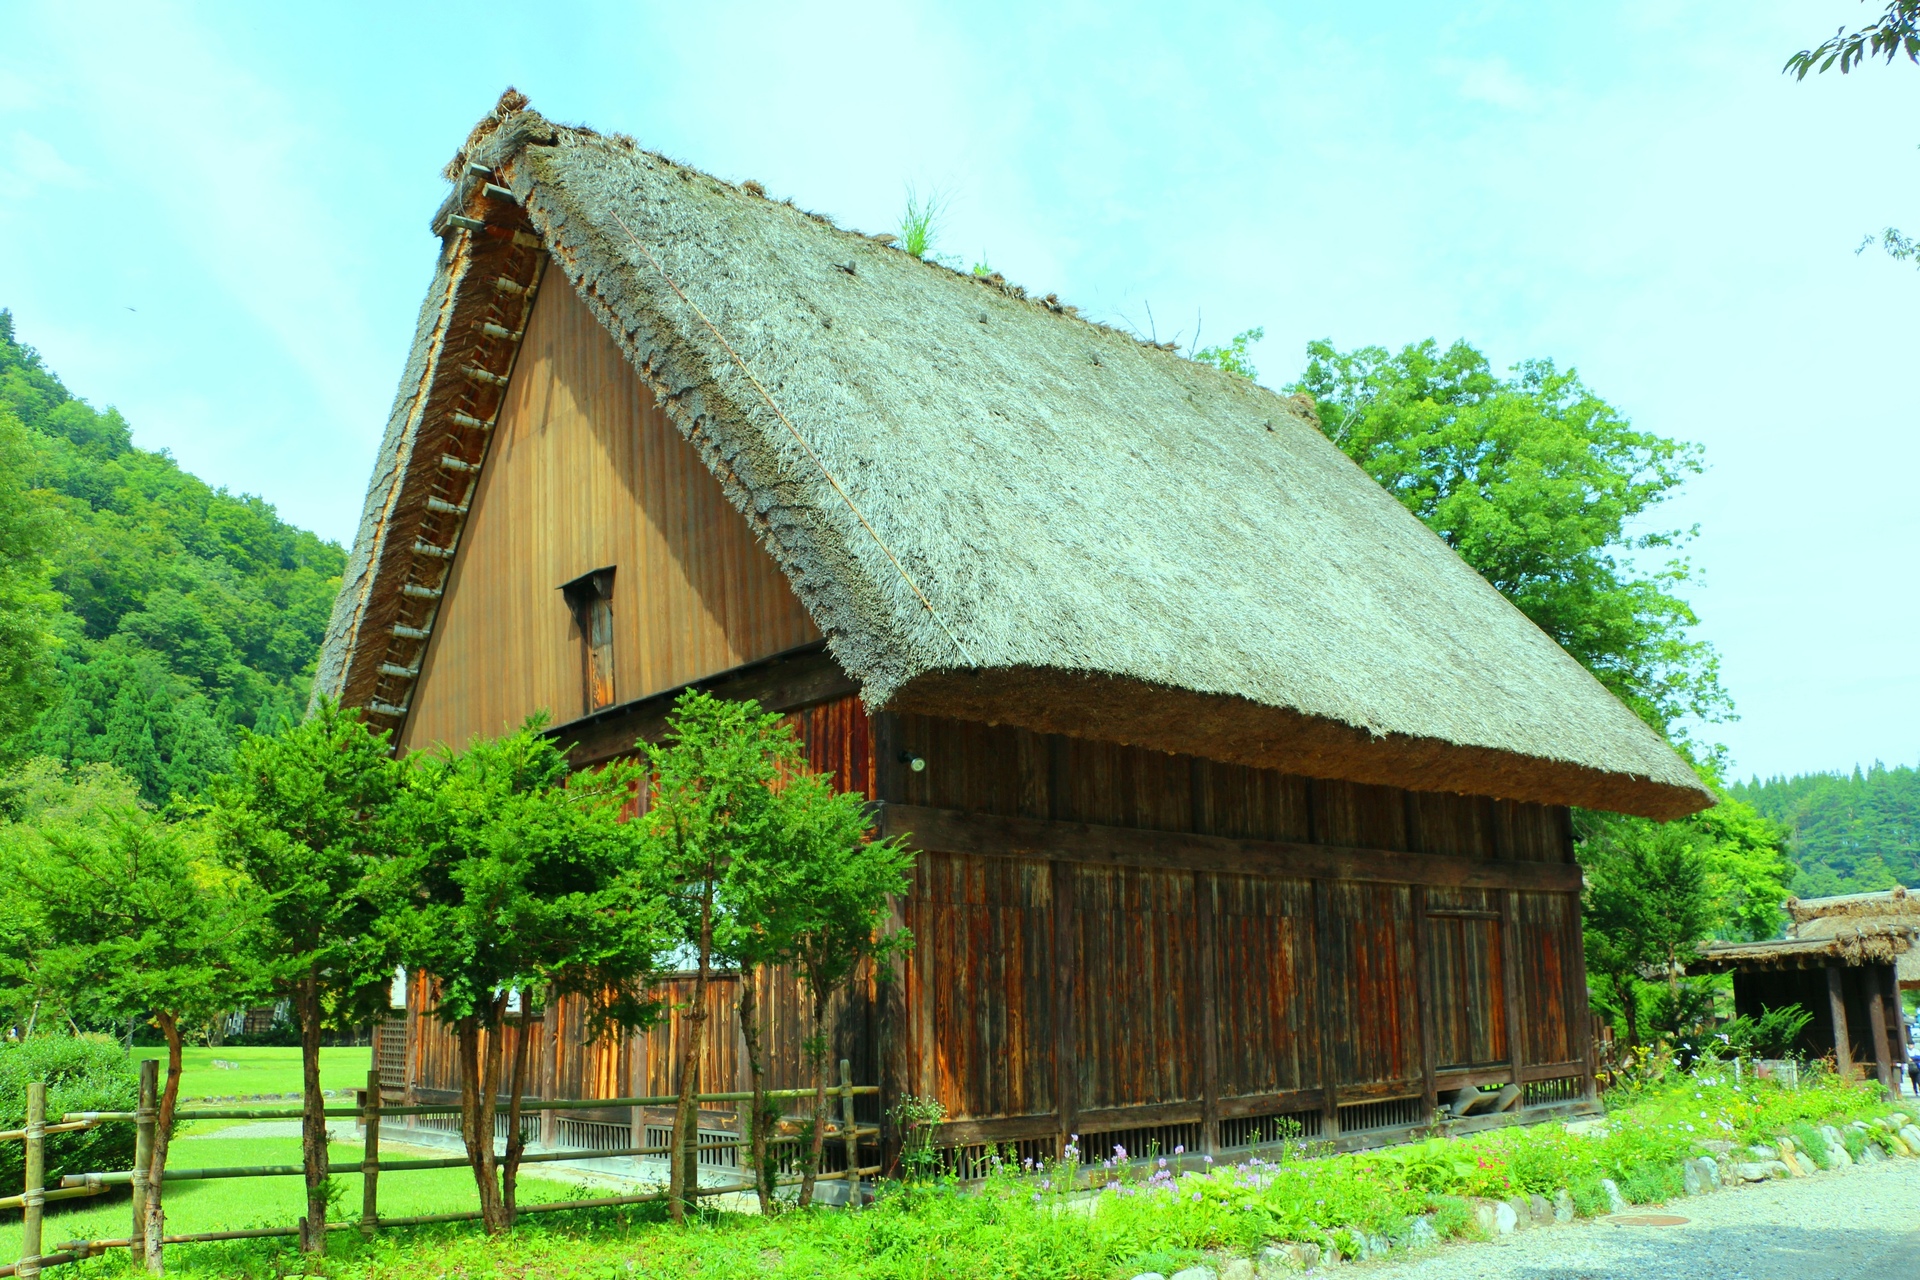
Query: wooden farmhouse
1241, 801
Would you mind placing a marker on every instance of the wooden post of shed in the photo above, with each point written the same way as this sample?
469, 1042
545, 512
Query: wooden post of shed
1890, 983
1510, 985
1837, 1009
1877, 1024
1323, 979
1066, 1070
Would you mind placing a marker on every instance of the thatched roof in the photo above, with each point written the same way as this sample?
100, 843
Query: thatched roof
1842, 914
1856, 944
1003, 512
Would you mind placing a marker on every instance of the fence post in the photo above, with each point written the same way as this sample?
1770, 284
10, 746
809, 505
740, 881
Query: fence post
370, 1160
850, 1132
33, 1200
144, 1118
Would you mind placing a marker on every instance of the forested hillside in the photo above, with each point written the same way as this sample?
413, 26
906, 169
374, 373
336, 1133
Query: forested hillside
182, 612
1847, 833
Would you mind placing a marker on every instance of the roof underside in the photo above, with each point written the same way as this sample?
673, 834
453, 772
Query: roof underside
996, 510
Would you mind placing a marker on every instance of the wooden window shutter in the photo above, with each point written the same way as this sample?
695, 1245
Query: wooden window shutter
590, 596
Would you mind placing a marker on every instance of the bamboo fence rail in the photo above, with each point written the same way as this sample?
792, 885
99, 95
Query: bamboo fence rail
36, 1195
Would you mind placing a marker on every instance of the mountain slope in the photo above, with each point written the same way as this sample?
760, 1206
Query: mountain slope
187, 611
1848, 833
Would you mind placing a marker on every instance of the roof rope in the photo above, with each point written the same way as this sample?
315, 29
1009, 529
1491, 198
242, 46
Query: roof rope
878, 541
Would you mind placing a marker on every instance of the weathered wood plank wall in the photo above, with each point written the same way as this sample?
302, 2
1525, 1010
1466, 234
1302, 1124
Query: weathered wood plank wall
1046, 997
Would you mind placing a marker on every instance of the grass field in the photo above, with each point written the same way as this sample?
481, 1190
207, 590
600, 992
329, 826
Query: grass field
259, 1070
236, 1204
1102, 1220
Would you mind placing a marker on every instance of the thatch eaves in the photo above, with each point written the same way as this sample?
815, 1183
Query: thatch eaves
995, 510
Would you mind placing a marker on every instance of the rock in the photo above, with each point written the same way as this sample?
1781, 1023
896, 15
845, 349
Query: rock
1276, 1258
1616, 1203
1696, 1182
1378, 1246
1759, 1170
1149, 1275
1792, 1160
1236, 1269
1719, 1146
1522, 1212
1542, 1211
1911, 1136
1421, 1234
1763, 1153
1563, 1205
1872, 1154
1202, 1272
1587, 1128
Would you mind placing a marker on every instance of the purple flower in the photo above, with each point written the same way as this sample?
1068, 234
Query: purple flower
1180, 1151
1119, 1152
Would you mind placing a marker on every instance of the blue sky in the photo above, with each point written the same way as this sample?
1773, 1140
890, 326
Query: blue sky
214, 216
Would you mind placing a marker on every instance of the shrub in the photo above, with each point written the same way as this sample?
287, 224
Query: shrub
83, 1073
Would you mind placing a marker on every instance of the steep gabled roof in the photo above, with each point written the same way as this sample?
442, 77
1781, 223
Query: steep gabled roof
997, 510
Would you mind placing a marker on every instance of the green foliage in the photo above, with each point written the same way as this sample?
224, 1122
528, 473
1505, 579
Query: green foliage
1846, 833
1773, 1034
1536, 482
186, 613
27, 604
1233, 357
304, 815
919, 224
519, 876
130, 916
1647, 903
1895, 32
82, 1073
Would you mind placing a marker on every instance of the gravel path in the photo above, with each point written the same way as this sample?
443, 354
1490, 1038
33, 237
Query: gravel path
1863, 1221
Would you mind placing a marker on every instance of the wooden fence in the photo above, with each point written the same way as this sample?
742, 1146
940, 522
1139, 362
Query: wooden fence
370, 1112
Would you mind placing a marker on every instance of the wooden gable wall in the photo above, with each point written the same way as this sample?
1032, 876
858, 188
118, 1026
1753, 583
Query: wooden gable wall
584, 472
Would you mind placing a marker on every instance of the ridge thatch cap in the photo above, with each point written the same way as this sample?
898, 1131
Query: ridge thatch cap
1856, 944
1822, 917
997, 510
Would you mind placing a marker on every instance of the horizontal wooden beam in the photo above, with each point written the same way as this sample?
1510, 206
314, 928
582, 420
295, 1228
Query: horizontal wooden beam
789, 681
1381, 1090
1271, 1104
949, 831
1107, 1119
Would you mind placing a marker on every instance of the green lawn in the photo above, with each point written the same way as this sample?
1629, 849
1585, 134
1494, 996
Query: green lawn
233, 1204
260, 1070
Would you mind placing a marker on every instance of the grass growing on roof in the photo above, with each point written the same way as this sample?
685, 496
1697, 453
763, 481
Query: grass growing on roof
1024, 1222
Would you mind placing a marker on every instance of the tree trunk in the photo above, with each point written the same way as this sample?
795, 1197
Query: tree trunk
479, 1084
313, 1118
763, 1172
155, 1226
817, 1050
516, 1144
683, 1178
1630, 1004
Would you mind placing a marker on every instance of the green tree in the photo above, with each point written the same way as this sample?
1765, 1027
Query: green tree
27, 603
523, 882
306, 815
1847, 832
1895, 32
135, 920
1233, 357
711, 804
833, 900
1647, 904
1538, 483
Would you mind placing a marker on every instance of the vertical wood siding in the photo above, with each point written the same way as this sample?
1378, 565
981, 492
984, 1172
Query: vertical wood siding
1037, 992
585, 472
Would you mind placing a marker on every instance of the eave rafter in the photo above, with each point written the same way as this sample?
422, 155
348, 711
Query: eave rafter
499, 264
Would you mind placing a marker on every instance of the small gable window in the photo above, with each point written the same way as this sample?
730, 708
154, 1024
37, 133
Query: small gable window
590, 596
